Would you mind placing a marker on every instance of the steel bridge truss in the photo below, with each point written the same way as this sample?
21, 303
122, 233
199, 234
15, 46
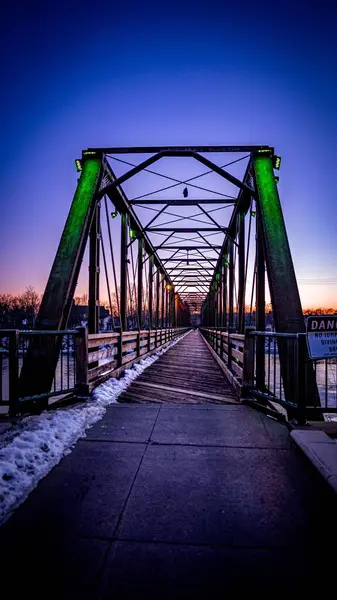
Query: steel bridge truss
176, 255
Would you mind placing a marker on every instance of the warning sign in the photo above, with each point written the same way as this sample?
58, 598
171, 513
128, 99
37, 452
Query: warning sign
322, 336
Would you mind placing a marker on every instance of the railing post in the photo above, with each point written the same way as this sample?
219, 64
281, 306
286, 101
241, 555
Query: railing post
138, 344
13, 372
248, 363
301, 354
149, 341
81, 360
230, 330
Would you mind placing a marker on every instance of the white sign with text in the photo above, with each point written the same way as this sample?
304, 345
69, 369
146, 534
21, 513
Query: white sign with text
322, 336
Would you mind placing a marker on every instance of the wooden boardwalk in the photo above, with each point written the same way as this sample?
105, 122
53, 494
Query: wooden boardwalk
187, 373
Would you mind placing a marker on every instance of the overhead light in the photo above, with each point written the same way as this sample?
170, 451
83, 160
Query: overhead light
253, 213
78, 165
276, 162
133, 234
114, 214
277, 179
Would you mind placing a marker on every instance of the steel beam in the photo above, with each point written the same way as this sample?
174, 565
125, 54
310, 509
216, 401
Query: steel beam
203, 247
287, 309
140, 282
40, 362
241, 257
260, 314
94, 269
156, 149
150, 291
231, 284
123, 268
146, 163
157, 297
187, 229
183, 202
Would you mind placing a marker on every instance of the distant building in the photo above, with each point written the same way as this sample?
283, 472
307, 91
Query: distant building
79, 315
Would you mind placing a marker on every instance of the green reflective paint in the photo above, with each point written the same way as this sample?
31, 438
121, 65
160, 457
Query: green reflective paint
269, 201
281, 274
65, 263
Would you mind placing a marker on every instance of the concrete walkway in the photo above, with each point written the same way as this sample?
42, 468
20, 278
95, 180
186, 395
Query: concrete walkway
203, 499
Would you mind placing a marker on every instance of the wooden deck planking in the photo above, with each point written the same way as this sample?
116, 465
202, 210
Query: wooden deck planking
187, 373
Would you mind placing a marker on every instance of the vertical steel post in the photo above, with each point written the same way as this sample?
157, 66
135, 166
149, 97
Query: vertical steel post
241, 292
224, 296
166, 306
231, 283
150, 291
38, 370
140, 282
286, 302
260, 313
123, 278
157, 296
94, 256
221, 299
162, 301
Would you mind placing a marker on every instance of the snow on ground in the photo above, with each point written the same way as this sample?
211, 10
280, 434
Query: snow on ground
37, 443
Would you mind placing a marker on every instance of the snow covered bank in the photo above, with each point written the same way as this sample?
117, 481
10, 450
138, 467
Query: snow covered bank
37, 443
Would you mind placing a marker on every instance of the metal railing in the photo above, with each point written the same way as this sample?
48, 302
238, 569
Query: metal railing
14, 345
109, 354
252, 365
84, 361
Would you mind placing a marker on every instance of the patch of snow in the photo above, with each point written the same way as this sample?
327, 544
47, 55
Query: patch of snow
37, 443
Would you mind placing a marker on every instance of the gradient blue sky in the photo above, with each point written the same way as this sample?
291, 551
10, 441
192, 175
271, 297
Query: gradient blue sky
123, 73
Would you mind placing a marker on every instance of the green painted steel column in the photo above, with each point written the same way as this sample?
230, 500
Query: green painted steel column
38, 369
287, 309
281, 274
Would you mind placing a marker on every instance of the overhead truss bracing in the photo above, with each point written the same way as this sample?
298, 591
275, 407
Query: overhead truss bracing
198, 244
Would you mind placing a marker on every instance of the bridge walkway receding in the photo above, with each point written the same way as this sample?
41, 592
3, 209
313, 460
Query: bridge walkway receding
161, 498
187, 372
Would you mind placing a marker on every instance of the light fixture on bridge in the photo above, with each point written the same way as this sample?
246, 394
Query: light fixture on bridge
78, 165
133, 234
225, 260
253, 213
276, 162
217, 277
277, 179
114, 214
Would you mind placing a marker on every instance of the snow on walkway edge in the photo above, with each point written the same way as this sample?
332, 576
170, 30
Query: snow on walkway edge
41, 441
